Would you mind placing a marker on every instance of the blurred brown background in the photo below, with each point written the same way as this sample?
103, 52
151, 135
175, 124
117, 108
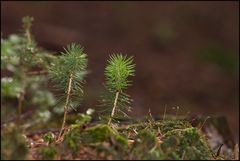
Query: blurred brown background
187, 53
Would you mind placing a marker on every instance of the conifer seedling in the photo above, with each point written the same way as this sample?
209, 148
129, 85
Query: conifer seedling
68, 72
26, 62
117, 71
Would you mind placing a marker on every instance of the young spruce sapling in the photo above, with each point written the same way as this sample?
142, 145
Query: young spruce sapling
68, 72
117, 71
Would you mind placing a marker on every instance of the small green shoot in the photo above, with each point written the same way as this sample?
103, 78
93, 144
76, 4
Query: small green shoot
117, 71
68, 72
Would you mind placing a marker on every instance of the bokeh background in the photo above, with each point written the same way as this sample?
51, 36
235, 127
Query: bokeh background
187, 53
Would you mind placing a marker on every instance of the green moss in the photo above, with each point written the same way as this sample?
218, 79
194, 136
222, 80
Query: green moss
106, 140
170, 143
101, 133
143, 147
47, 153
178, 140
186, 143
72, 140
169, 125
146, 137
97, 134
121, 140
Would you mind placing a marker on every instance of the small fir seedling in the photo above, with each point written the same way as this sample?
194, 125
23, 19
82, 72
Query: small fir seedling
68, 72
26, 62
117, 71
